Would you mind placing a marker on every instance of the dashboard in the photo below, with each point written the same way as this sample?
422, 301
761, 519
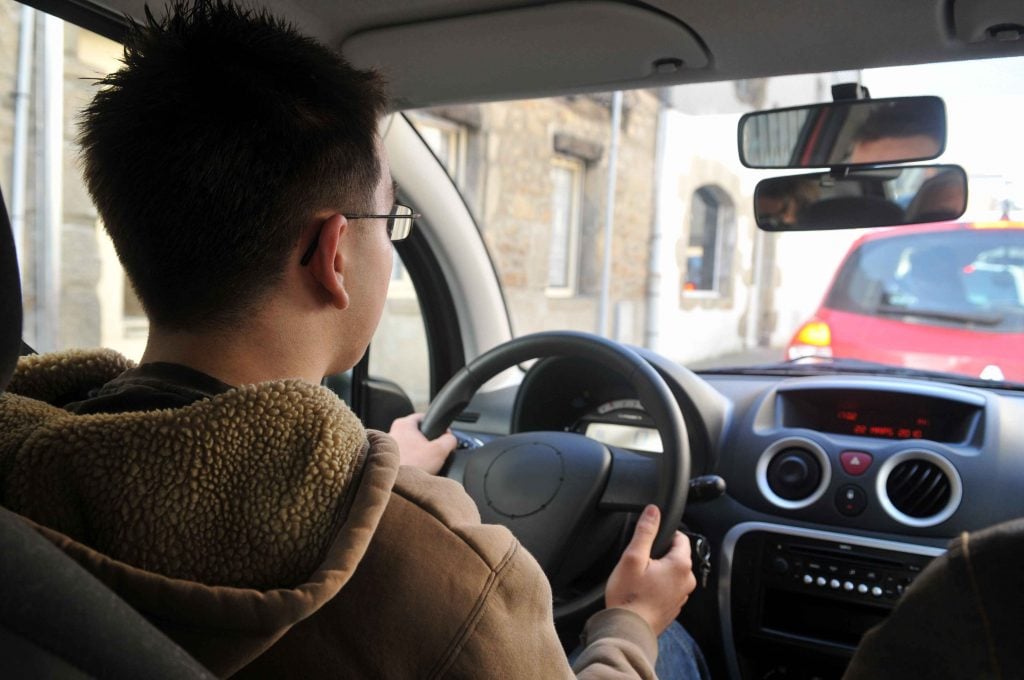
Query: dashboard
840, 490
621, 422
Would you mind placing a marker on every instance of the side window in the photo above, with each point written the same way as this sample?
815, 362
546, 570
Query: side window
75, 291
399, 350
566, 223
447, 139
122, 318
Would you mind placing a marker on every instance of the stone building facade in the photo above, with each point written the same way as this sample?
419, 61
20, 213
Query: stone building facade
535, 175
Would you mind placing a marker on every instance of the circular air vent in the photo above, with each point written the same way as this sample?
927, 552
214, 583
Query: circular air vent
793, 473
919, 488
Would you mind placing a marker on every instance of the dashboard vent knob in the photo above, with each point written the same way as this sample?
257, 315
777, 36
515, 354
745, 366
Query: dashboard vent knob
794, 474
918, 488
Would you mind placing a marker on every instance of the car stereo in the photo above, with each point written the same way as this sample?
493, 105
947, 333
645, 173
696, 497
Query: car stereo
807, 597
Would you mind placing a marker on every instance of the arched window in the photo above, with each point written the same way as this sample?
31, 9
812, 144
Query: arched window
710, 242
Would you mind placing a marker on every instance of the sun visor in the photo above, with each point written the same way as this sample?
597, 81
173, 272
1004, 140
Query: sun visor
988, 20
528, 52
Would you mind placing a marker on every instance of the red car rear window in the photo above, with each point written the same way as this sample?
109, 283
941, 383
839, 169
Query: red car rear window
966, 278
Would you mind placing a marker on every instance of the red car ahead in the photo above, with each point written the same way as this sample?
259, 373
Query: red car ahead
943, 297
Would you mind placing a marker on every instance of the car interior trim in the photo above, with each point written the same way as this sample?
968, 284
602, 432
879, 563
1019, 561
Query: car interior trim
919, 34
648, 43
468, 267
110, 24
956, 487
733, 536
885, 383
761, 471
769, 415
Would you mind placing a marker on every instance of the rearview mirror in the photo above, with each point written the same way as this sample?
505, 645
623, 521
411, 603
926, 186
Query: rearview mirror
861, 198
854, 132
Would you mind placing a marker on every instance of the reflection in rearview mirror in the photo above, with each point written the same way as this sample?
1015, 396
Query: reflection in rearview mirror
856, 132
862, 198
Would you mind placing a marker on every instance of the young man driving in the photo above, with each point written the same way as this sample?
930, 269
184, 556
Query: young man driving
216, 486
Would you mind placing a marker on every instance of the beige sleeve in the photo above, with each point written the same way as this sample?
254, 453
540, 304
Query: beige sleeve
515, 637
619, 644
480, 590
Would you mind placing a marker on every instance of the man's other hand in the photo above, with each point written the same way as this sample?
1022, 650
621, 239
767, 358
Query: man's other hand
654, 589
416, 450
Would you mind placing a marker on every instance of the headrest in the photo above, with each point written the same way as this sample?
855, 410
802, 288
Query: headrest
10, 299
846, 212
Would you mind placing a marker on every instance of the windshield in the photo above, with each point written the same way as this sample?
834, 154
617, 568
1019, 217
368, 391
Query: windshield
686, 271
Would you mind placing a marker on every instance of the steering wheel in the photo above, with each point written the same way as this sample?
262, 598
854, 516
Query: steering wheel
551, 489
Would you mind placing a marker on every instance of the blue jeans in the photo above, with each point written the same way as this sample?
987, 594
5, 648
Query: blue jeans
679, 657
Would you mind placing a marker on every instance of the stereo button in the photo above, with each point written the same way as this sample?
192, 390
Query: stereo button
808, 579
851, 500
862, 589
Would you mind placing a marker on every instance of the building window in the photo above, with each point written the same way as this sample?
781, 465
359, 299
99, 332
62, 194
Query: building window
566, 200
711, 238
447, 139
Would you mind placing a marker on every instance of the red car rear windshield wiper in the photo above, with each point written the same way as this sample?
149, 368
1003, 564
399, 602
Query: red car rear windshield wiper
976, 318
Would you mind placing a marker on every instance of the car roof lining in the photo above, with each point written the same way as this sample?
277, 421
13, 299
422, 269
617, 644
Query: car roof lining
741, 39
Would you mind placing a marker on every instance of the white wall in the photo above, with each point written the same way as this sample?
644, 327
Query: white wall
804, 266
700, 150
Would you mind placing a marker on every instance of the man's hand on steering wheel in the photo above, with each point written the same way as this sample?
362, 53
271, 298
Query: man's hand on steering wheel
416, 450
654, 589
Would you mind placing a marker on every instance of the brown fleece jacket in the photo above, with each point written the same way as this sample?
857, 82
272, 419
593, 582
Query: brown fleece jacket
961, 618
236, 524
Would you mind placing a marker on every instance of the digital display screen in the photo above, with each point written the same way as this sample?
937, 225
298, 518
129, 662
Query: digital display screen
626, 436
884, 424
883, 415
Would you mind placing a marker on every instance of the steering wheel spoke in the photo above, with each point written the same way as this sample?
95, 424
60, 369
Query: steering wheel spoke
632, 482
455, 467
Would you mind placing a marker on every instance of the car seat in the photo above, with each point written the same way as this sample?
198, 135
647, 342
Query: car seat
846, 212
56, 619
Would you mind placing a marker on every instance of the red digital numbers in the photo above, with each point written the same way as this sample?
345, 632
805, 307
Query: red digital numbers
905, 427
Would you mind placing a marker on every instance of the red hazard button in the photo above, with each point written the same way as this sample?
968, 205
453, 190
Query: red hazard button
855, 462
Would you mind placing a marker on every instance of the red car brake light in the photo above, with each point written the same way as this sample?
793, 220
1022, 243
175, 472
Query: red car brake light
814, 339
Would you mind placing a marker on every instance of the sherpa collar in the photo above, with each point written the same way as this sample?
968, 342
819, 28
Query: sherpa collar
246, 488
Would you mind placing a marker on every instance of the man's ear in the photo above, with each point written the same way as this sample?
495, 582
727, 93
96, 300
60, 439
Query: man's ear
328, 264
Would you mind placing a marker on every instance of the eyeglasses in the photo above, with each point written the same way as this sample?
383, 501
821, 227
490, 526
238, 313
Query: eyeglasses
399, 226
